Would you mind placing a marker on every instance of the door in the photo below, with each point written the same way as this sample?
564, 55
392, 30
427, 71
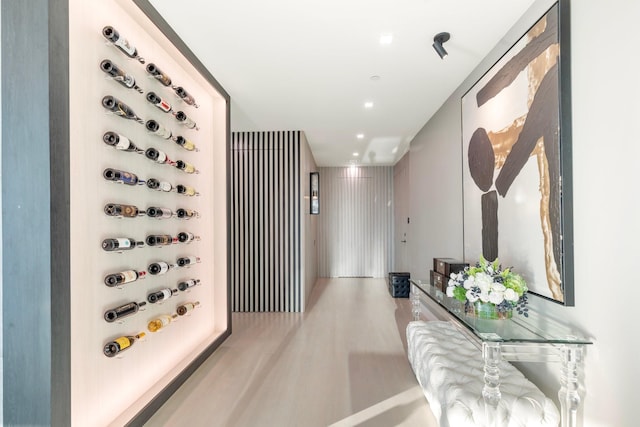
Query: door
402, 221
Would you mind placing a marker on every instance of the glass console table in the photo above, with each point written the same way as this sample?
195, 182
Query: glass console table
536, 338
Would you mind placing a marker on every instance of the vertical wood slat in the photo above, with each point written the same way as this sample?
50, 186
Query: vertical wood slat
266, 221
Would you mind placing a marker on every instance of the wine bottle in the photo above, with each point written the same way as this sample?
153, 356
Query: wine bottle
119, 142
120, 176
186, 307
123, 311
185, 167
161, 213
160, 322
126, 211
159, 268
186, 284
159, 240
181, 117
157, 129
121, 43
185, 143
123, 277
158, 74
162, 104
187, 260
157, 156
154, 184
186, 213
119, 75
186, 190
161, 295
123, 343
119, 108
185, 96
119, 244
186, 237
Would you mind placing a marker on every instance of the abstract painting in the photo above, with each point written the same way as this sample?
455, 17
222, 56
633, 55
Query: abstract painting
517, 160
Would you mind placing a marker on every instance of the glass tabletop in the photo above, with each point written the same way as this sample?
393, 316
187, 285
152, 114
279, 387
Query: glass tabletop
536, 328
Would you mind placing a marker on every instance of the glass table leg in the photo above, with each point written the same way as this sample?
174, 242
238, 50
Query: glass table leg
415, 303
492, 354
568, 394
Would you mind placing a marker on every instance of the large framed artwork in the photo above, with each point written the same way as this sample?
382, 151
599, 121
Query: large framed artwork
516, 147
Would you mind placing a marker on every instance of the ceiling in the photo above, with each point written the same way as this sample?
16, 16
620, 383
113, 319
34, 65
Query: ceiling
311, 65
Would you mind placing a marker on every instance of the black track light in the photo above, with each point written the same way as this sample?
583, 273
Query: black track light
438, 40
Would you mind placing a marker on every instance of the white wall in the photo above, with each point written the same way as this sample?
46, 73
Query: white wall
605, 202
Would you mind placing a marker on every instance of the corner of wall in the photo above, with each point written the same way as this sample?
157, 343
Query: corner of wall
309, 234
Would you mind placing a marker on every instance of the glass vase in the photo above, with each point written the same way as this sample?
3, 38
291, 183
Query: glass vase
487, 310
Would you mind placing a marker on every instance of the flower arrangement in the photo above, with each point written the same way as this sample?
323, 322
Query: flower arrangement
487, 282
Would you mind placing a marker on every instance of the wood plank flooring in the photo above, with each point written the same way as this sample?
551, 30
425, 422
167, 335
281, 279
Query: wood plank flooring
341, 363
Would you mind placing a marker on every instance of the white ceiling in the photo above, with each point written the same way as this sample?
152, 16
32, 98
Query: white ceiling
307, 64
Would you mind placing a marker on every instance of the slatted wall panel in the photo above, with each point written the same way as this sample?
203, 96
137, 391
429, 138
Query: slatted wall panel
265, 252
356, 221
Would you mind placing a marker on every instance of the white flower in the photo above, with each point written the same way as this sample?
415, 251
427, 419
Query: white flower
496, 297
511, 295
469, 283
484, 296
454, 276
484, 287
450, 289
498, 287
483, 281
471, 297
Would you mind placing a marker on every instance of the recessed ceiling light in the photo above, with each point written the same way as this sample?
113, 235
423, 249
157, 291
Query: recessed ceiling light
386, 38
375, 78
356, 154
368, 104
360, 136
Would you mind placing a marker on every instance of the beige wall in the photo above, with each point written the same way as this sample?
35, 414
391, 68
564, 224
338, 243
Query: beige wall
309, 232
401, 215
605, 202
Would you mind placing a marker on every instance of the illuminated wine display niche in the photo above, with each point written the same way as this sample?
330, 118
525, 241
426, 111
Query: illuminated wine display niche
148, 217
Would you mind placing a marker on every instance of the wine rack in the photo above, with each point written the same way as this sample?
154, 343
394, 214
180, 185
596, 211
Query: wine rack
148, 211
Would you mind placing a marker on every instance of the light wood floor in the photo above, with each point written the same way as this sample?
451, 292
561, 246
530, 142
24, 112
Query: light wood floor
341, 363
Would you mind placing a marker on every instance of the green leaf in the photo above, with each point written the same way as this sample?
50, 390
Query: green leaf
460, 293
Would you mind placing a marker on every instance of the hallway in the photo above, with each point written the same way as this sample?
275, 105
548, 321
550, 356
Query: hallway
341, 363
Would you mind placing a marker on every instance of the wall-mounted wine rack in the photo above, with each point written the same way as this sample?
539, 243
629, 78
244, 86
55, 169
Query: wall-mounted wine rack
149, 154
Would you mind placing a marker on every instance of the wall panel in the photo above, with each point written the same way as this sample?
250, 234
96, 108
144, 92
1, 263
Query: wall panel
309, 223
356, 221
26, 311
266, 221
